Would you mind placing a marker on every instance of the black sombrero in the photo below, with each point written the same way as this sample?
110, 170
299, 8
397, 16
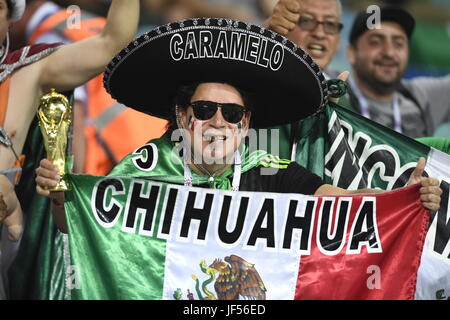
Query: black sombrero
286, 83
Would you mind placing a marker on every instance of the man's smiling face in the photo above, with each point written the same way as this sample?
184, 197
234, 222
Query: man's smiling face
214, 140
380, 56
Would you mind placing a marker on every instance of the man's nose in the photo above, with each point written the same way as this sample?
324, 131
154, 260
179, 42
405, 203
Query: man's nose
319, 31
217, 121
389, 49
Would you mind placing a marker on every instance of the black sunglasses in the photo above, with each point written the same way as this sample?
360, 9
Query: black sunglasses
205, 110
329, 27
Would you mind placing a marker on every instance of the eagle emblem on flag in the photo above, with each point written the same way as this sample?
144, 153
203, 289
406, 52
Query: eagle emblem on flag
234, 279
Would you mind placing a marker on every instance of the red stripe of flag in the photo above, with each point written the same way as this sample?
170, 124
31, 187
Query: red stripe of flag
402, 223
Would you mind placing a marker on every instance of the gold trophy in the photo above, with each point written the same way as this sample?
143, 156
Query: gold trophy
54, 113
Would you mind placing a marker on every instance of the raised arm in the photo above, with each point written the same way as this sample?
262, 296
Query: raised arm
430, 192
284, 17
74, 64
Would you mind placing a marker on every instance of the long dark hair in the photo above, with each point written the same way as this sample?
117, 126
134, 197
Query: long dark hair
182, 99
10, 8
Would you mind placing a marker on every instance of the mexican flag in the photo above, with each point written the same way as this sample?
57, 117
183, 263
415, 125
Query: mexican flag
132, 238
352, 152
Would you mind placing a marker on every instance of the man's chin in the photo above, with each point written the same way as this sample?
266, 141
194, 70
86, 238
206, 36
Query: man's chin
386, 83
213, 157
389, 78
217, 158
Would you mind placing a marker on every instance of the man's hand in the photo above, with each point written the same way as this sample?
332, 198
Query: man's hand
342, 76
284, 17
430, 192
47, 176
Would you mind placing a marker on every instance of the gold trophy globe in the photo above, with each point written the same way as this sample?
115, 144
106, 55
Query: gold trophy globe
54, 113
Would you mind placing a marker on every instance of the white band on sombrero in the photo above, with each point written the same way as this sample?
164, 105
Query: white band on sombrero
18, 8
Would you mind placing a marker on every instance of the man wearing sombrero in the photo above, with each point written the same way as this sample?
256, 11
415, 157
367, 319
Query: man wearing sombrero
214, 78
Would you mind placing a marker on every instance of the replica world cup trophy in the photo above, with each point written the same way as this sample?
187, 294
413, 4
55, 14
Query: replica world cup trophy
55, 113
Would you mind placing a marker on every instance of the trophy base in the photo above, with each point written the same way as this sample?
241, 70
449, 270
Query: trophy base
61, 186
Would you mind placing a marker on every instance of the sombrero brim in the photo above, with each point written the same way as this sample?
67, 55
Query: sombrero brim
285, 82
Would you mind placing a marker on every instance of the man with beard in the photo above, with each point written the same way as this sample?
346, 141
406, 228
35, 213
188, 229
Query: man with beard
379, 58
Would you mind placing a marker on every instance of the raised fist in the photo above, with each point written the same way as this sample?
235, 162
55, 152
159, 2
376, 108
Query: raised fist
284, 17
